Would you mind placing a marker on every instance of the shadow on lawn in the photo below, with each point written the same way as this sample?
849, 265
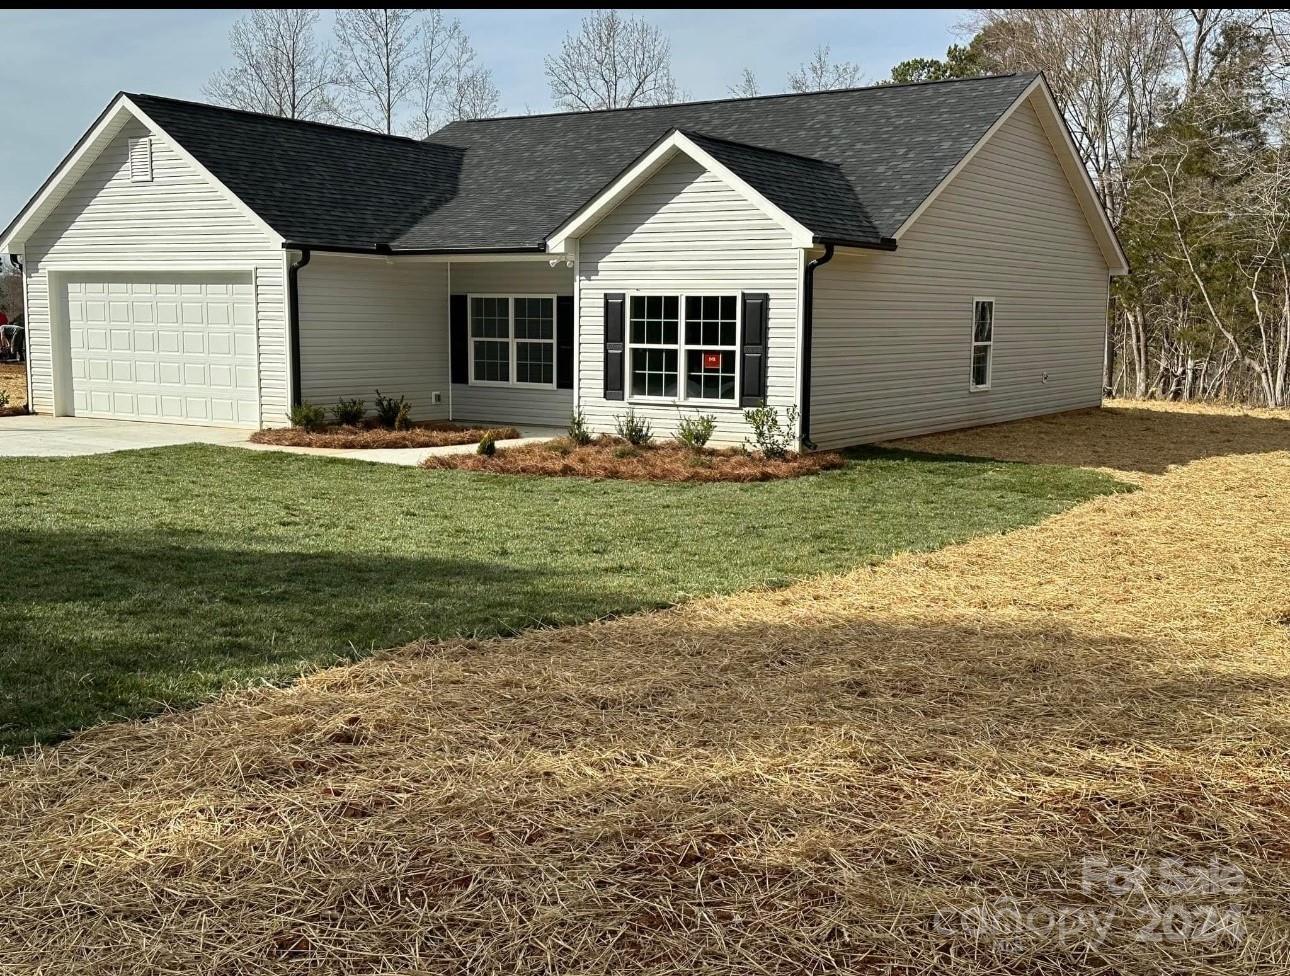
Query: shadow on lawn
102, 625
786, 783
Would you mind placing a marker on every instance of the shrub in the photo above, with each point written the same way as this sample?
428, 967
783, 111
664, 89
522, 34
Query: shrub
308, 416
392, 414
623, 451
770, 438
577, 430
636, 431
349, 413
4, 399
487, 444
695, 432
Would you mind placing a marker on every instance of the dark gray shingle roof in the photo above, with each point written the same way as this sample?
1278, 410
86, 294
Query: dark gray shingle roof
874, 155
811, 191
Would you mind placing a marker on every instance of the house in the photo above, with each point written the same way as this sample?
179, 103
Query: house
891, 260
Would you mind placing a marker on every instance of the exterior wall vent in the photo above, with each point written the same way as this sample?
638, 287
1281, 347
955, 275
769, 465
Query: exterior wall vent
141, 160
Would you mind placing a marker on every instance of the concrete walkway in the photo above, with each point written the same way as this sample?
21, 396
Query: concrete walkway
41, 436
409, 456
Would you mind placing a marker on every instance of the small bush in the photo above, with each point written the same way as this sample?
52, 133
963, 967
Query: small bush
695, 432
487, 446
392, 414
4, 399
635, 430
770, 438
577, 430
308, 416
626, 451
349, 413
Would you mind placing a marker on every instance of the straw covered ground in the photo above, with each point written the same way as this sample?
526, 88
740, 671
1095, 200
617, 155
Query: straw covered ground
612, 457
13, 381
424, 434
914, 767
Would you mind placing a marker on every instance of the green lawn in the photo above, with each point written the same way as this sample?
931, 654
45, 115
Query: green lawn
135, 579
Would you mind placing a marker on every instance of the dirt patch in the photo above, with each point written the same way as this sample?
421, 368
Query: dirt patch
13, 381
428, 434
865, 772
610, 457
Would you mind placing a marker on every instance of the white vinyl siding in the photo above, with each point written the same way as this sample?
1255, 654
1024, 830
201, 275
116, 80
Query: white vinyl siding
515, 403
367, 325
892, 336
685, 231
177, 222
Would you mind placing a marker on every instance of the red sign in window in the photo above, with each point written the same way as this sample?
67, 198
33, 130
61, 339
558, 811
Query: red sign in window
712, 360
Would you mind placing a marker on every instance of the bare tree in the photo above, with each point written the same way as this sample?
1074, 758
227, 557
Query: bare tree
473, 95
278, 66
376, 48
612, 62
450, 83
822, 73
746, 87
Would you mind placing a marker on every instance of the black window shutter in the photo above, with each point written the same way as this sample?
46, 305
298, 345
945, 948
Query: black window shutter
564, 342
459, 338
756, 307
615, 307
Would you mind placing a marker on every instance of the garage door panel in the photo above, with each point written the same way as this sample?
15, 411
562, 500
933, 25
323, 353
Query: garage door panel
181, 351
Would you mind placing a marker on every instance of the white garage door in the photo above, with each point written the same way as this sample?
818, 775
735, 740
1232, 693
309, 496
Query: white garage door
178, 350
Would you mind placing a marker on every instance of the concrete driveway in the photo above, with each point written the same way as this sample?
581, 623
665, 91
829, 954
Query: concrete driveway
39, 436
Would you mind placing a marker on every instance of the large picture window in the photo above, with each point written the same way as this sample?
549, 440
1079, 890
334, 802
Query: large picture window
982, 342
683, 347
512, 340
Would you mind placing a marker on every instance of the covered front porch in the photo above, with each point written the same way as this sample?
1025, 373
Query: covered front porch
484, 338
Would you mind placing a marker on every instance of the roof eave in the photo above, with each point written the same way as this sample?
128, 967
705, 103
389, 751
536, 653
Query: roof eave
882, 244
385, 250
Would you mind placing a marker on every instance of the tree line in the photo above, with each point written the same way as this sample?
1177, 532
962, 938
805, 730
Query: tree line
409, 71
1181, 116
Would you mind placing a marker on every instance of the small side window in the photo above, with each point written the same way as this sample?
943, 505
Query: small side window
982, 342
141, 160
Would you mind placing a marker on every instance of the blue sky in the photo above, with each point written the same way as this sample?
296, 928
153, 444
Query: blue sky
61, 67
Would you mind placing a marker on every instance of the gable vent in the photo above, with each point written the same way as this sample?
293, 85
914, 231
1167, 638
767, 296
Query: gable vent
141, 160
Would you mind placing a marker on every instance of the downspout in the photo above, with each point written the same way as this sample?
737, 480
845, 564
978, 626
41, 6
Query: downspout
293, 300
808, 316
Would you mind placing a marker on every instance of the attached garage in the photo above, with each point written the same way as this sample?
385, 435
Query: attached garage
173, 348
153, 292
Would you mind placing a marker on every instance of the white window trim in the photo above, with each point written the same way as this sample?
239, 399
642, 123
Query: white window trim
511, 340
973, 386
681, 348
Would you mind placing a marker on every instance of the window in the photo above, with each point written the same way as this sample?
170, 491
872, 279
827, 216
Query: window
512, 339
982, 342
683, 347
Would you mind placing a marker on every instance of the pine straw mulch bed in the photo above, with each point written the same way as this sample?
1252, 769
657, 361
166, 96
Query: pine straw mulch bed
421, 434
830, 777
611, 457
1133, 440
